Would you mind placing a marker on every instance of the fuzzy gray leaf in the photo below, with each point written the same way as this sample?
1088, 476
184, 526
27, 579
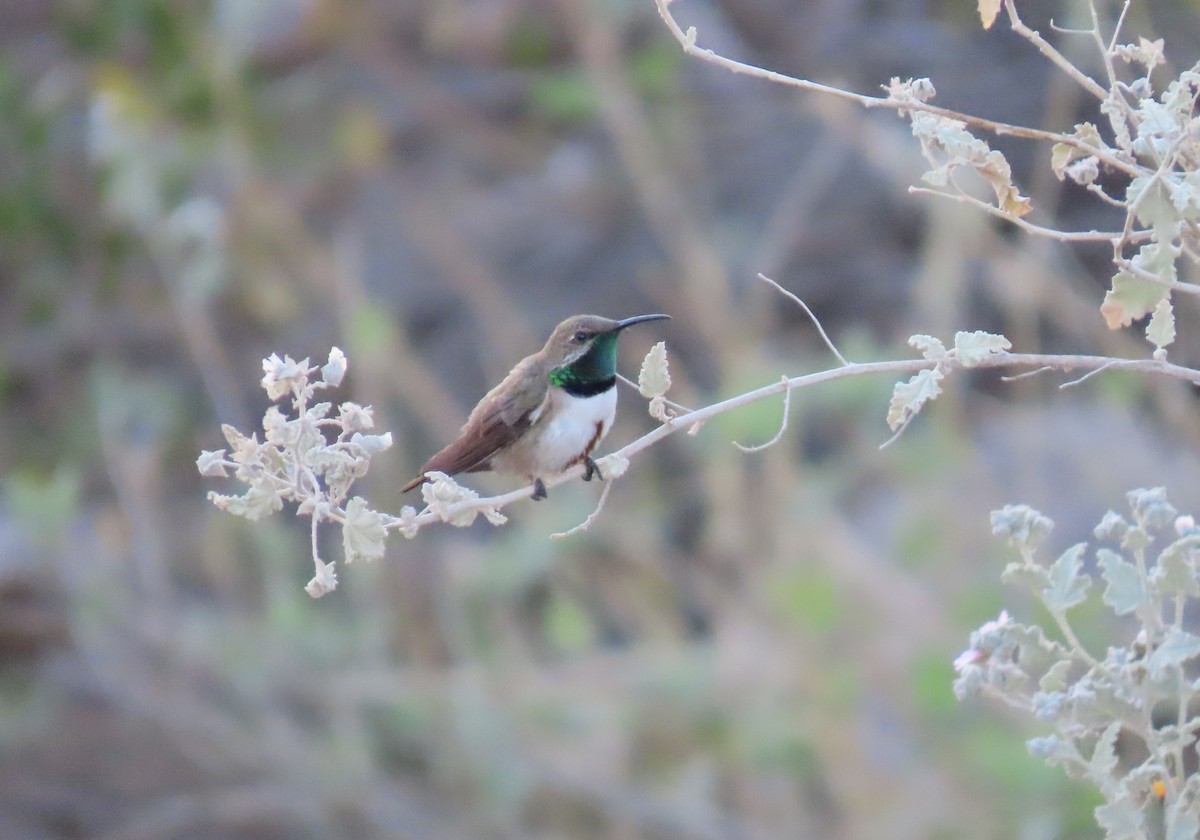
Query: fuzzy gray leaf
1104, 756
972, 348
1182, 824
1121, 820
908, 397
363, 533
1055, 679
654, 379
1177, 648
1067, 586
1175, 573
1126, 591
1026, 575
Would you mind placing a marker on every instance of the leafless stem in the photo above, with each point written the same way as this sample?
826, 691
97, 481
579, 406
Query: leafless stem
1098, 191
1028, 227
1083, 378
587, 523
1112, 44
787, 404
1045, 48
816, 321
1105, 51
899, 431
1029, 374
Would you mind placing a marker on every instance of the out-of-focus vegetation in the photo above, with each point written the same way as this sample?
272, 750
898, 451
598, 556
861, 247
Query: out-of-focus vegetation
742, 646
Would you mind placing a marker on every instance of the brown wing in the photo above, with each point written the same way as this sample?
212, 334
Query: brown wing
501, 417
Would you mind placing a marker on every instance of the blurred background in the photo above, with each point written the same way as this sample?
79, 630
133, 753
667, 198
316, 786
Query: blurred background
743, 646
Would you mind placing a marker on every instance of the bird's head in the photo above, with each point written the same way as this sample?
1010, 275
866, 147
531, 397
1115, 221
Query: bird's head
584, 347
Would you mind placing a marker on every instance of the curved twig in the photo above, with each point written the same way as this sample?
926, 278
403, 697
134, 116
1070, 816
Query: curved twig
792, 296
787, 405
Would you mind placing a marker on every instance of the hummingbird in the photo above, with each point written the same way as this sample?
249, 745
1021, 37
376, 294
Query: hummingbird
549, 413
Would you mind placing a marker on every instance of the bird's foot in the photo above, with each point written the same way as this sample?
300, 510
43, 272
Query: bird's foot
591, 468
539, 490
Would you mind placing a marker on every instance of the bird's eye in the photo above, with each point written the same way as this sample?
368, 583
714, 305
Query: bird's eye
581, 336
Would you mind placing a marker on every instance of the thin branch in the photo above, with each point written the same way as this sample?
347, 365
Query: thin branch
587, 523
1083, 378
688, 42
1045, 48
1150, 277
1029, 374
1105, 52
787, 404
816, 321
1112, 44
1029, 227
1098, 191
899, 431
1067, 30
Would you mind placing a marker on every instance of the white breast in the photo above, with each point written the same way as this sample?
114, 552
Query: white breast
561, 432
569, 430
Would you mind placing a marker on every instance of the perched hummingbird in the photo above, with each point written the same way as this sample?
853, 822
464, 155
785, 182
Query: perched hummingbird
549, 413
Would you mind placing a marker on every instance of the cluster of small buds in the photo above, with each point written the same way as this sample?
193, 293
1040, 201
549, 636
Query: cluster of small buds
1127, 722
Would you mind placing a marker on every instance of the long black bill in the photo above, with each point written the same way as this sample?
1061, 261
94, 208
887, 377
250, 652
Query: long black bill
637, 319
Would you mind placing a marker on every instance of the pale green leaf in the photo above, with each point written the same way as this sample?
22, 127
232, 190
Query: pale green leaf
971, 348
996, 171
334, 370
1149, 196
363, 533
1035, 652
1131, 298
257, 503
1146, 52
1063, 155
931, 348
1026, 575
1161, 330
212, 464
450, 500
654, 378
1055, 679
1178, 647
324, 581
1067, 586
1121, 820
908, 397
372, 444
1084, 171
1104, 756
1175, 572
1126, 592
1182, 824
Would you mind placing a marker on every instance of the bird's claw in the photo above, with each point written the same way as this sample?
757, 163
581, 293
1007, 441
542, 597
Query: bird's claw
591, 468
